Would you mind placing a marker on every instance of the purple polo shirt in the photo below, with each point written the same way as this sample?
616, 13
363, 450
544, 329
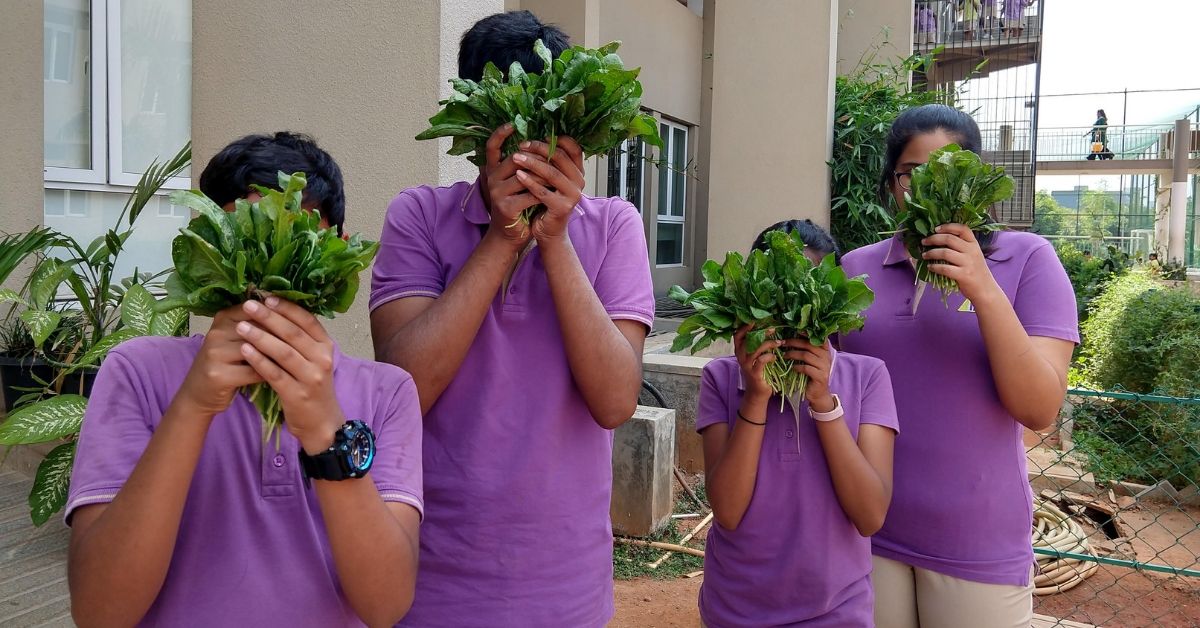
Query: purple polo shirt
961, 504
795, 559
252, 548
518, 474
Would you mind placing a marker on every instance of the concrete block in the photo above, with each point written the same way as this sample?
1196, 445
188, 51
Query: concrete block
643, 459
677, 377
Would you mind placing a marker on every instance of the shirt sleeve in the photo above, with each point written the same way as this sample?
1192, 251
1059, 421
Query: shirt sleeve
1045, 300
878, 406
712, 407
623, 282
116, 429
407, 264
397, 467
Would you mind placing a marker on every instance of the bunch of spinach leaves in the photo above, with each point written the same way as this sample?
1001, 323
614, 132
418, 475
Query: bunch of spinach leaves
954, 186
268, 247
585, 94
778, 289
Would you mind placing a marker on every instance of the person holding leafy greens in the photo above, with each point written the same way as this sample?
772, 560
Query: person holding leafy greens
181, 514
525, 341
785, 491
970, 374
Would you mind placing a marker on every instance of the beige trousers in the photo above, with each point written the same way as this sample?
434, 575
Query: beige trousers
911, 597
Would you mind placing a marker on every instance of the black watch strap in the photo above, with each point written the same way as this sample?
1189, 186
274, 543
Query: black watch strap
323, 466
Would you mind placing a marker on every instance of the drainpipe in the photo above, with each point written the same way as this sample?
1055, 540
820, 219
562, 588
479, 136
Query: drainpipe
1177, 221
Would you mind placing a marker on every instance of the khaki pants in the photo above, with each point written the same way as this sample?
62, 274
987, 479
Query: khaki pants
911, 597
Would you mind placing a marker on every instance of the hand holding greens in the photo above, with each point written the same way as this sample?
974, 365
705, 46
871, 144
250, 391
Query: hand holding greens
269, 247
955, 186
585, 94
777, 289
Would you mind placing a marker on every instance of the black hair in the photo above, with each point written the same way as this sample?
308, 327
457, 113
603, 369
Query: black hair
258, 159
1102, 114
811, 234
506, 37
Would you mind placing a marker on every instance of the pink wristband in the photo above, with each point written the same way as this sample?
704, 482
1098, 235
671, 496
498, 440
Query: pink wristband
833, 415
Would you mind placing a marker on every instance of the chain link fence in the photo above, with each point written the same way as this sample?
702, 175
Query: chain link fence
1116, 528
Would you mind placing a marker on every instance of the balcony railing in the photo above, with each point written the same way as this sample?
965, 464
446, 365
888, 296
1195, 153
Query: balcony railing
1132, 141
955, 23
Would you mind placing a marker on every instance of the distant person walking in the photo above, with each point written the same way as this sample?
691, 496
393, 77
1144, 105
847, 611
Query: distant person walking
1099, 135
970, 14
1014, 16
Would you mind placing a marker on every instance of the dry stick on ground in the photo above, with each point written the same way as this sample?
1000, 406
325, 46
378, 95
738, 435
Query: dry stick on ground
703, 522
688, 489
660, 545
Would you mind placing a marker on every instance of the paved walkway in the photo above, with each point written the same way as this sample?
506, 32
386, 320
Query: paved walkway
33, 561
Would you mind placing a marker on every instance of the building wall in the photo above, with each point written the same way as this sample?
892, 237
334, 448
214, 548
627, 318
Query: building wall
21, 116
362, 77
864, 24
771, 117
666, 40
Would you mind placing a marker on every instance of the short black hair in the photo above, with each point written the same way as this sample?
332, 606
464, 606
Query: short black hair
813, 236
506, 37
258, 159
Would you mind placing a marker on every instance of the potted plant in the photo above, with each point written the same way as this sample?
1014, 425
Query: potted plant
70, 337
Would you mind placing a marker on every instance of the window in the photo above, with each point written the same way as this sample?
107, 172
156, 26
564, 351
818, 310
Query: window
672, 195
625, 171
117, 89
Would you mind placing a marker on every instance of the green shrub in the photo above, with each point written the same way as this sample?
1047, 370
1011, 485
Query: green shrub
1090, 275
1104, 364
1139, 441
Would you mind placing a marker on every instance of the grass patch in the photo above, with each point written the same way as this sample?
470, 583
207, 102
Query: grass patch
629, 561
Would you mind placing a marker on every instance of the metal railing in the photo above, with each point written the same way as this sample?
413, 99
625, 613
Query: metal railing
1117, 510
955, 23
1131, 141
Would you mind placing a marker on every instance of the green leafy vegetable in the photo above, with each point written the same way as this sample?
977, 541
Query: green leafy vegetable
955, 186
584, 94
271, 246
778, 289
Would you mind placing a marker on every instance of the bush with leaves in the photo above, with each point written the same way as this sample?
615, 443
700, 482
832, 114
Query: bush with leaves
1089, 275
866, 102
777, 289
106, 312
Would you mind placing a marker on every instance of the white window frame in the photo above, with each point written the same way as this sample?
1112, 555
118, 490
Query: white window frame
623, 168
667, 218
106, 173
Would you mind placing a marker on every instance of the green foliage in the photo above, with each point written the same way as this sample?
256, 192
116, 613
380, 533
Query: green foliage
585, 94
268, 247
77, 334
865, 105
777, 289
1140, 441
1090, 275
630, 561
954, 186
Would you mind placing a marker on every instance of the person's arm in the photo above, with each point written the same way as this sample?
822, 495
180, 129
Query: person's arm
120, 551
374, 544
430, 337
605, 355
861, 469
1030, 371
731, 454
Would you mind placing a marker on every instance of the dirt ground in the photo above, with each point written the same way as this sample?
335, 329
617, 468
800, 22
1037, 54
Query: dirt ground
646, 603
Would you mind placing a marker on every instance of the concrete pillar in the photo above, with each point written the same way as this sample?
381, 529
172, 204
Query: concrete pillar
865, 24
643, 462
21, 114
1177, 223
1162, 207
677, 377
771, 116
364, 104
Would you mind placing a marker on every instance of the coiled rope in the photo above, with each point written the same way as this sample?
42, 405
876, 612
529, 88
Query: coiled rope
1055, 530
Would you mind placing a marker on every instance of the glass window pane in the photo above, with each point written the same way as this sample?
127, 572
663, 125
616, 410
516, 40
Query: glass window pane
66, 64
87, 215
633, 173
156, 80
670, 244
679, 163
663, 172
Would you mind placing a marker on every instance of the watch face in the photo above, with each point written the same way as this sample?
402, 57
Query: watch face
362, 448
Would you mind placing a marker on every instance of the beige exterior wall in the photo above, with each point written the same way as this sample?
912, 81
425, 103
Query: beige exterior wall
666, 40
863, 24
362, 77
771, 117
21, 116
579, 19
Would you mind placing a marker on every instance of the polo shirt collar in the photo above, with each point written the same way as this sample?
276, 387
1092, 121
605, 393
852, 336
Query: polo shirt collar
476, 212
